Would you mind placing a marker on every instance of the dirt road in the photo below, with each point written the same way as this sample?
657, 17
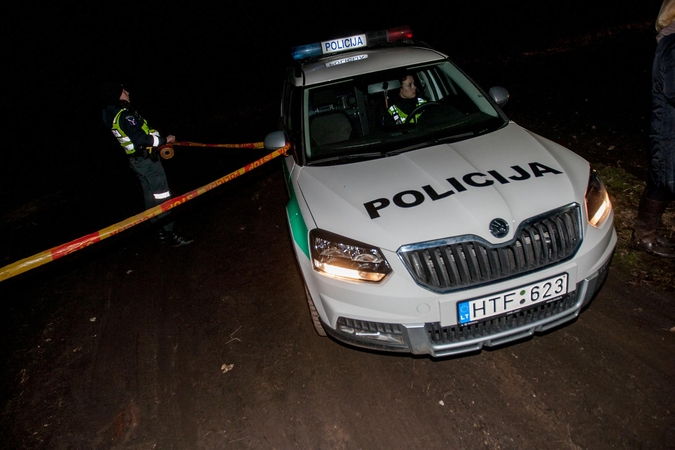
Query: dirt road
210, 346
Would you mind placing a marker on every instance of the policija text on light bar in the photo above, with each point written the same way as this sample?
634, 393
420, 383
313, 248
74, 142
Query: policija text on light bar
344, 44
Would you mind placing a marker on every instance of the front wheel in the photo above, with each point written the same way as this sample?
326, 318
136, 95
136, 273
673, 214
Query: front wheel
316, 321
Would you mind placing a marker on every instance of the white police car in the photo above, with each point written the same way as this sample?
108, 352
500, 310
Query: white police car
455, 230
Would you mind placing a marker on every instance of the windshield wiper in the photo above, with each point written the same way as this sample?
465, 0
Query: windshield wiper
443, 140
371, 155
407, 149
455, 137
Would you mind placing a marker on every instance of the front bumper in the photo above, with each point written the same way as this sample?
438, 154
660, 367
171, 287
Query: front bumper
438, 341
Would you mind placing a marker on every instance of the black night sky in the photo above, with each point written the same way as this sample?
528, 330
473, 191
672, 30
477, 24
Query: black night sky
209, 58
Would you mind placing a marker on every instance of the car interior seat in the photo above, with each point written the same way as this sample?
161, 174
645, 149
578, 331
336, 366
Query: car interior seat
330, 127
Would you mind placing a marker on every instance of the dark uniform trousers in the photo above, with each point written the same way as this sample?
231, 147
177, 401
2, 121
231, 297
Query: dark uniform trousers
155, 186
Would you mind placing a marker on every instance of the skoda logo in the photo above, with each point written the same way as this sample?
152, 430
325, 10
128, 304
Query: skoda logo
499, 228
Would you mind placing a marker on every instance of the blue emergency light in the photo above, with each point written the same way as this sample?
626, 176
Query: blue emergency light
344, 44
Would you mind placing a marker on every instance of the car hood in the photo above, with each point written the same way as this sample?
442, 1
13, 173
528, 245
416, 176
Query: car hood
444, 190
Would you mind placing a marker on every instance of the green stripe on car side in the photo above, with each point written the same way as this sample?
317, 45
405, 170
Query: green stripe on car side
297, 224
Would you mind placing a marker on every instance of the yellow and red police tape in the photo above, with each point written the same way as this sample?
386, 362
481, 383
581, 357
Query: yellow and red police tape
78, 244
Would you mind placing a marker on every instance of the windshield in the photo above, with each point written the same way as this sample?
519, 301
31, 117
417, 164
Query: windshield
384, 113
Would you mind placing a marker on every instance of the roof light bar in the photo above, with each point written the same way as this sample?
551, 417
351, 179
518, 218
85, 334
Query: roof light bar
389, 35
344, 44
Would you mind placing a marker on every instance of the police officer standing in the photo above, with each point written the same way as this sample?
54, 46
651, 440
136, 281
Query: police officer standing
141, 144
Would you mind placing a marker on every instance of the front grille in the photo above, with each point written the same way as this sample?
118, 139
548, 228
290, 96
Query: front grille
469, 261
457, 333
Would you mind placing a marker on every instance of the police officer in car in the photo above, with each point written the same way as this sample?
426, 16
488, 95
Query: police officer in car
400, 107
141, 144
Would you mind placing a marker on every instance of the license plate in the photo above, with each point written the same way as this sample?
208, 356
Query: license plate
513, 300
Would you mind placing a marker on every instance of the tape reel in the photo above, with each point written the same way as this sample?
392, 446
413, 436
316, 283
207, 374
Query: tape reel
166, 152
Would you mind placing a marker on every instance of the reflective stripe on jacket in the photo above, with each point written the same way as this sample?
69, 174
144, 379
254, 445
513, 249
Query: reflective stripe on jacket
400, 116
124, 140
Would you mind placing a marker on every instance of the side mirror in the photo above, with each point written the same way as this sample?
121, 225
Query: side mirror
499, 94
274, 140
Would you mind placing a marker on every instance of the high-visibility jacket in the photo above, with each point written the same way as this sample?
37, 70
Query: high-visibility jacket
131, 130
400, 116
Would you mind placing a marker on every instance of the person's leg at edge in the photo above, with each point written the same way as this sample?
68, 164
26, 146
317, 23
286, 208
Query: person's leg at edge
646, 236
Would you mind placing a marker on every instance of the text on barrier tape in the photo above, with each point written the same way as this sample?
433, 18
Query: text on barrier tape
85, 241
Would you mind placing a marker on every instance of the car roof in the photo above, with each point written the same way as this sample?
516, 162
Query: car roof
359, 62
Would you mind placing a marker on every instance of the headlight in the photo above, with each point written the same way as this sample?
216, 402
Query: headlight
598, 205
339, 257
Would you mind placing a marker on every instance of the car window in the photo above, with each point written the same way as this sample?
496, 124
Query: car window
352, 118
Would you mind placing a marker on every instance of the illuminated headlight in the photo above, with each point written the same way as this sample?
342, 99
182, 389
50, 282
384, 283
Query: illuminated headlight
339, 257
598, 205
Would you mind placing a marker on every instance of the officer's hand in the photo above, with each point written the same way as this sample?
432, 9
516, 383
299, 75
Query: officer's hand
170, 138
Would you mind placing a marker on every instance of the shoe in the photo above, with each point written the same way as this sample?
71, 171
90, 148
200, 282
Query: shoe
665, 241
650, 244
645, 235
175, 239
178, 241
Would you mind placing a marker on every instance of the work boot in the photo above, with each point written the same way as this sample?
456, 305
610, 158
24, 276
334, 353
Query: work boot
173, 238
665, 241
645, 235
178, 241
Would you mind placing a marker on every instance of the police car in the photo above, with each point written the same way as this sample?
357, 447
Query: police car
454, 230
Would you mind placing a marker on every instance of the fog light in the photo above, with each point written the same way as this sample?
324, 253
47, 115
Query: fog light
371, 331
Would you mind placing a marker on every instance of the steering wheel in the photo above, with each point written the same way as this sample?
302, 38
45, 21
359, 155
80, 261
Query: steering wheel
418, 110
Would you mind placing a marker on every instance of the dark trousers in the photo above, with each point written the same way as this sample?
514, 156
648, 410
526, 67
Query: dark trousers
652, 192
155, 186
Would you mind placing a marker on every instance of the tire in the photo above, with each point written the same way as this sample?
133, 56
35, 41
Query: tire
316, 321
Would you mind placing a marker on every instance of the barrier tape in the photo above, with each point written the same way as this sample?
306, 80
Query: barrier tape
166, 151
197, 144
60, 251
